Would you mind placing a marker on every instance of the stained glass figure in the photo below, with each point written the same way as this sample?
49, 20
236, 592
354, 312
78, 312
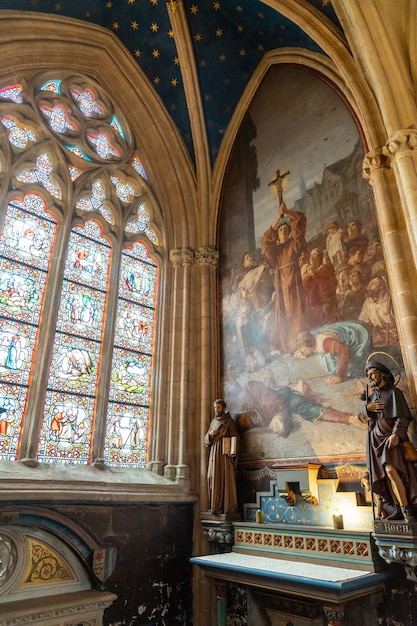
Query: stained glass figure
67, 424
25, 247
129, 399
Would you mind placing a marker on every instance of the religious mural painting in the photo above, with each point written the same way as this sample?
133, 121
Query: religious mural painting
304, 289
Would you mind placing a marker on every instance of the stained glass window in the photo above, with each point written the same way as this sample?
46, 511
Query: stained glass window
25, 243
73, 223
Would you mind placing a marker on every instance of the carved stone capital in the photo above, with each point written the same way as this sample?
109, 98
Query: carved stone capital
401, 141
374, 160
207, 255
181, 256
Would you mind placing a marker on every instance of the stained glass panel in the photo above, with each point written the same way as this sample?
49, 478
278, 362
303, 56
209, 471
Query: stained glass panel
43, 174
12, 400
103, 145
13, 93
19, 135
137, 165
126, 436
86, 102
52, 85
130, 386
58, 118
70, 407
25, 246
66, 431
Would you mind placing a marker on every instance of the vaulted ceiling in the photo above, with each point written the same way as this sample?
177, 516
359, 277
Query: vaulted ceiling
228, 37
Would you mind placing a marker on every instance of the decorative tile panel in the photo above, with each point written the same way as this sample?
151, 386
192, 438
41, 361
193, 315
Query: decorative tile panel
329, 544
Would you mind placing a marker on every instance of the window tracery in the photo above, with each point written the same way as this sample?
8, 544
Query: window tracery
74, 217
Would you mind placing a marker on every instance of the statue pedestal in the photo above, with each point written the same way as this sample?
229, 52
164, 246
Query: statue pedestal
219, 529
397, 543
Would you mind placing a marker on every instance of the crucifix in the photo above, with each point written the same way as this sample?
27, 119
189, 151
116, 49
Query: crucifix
278, 180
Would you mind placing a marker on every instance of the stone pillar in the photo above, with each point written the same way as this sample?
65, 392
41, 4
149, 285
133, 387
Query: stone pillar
181, 260
207, 260
396, 221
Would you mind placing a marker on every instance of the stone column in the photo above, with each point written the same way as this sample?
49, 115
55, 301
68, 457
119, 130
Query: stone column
396, 220
207, 260
181, 259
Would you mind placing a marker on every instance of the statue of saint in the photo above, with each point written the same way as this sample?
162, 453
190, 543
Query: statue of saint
222, 439
392, 477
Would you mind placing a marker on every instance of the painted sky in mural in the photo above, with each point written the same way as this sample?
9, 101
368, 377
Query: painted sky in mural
305, 295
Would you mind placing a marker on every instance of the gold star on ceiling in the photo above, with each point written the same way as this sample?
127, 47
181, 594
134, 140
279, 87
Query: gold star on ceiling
174, 82
242, 53
135, 25
198, 37
170, 33
240, 29
219, 32
239, 9
155, 54
154, 27
216, 6
138, 53
194, 9
222, 57
109, 5
115, 25
154, 3
156, 80
176, 61
58, 6
131, 1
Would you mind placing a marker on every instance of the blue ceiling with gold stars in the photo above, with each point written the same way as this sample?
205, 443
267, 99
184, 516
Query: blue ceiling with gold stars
229, 39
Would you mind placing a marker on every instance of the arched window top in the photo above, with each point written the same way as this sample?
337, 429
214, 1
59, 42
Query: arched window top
76, 187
